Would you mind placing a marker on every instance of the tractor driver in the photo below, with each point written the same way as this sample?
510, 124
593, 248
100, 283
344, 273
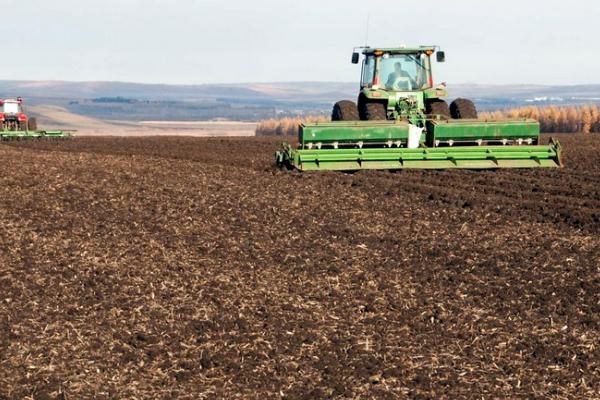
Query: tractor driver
400, 79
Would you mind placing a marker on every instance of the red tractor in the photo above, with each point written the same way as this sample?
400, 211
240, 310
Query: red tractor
12, 117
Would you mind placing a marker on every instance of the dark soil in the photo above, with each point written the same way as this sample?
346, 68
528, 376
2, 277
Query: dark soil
191, 268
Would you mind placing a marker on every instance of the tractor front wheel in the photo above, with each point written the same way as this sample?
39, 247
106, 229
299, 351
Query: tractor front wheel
370, 111
463, 109
345, 110
437, 107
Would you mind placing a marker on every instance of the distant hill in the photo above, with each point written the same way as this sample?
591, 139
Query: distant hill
55, 117
253, 101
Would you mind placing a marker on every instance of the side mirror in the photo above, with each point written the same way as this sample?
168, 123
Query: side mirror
441, 56
355, 57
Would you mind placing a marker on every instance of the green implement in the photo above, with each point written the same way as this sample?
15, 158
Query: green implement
8, 135
351, 146
523, 131
400, 120
470, 157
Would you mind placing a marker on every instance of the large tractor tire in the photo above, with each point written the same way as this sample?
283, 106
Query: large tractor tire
371, 111
32, 124
22, 126
345, 110
463, 109
437, 107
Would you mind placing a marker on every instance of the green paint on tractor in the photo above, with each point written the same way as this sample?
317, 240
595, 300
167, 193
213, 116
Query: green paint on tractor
401, 121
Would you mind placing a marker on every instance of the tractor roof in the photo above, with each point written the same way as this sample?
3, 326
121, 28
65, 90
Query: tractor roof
2, 101
399, 50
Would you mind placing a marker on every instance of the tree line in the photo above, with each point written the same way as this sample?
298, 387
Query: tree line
553, 119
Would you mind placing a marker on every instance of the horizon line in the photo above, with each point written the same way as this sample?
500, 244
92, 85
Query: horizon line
269, 83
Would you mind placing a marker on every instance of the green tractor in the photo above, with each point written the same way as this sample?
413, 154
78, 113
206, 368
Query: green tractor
401, 121
398, 84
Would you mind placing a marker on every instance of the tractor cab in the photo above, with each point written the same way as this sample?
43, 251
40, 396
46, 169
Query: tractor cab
397, 70
11, 107
397, 83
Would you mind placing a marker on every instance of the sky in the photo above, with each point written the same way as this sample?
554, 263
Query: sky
238, 41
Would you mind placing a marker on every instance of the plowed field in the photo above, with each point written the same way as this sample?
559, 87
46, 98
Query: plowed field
189, 268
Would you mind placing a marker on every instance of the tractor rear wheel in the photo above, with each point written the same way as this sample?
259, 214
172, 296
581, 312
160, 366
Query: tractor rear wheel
371, 111
23, 126
32, 124
345, 110
463, 109
437, 107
